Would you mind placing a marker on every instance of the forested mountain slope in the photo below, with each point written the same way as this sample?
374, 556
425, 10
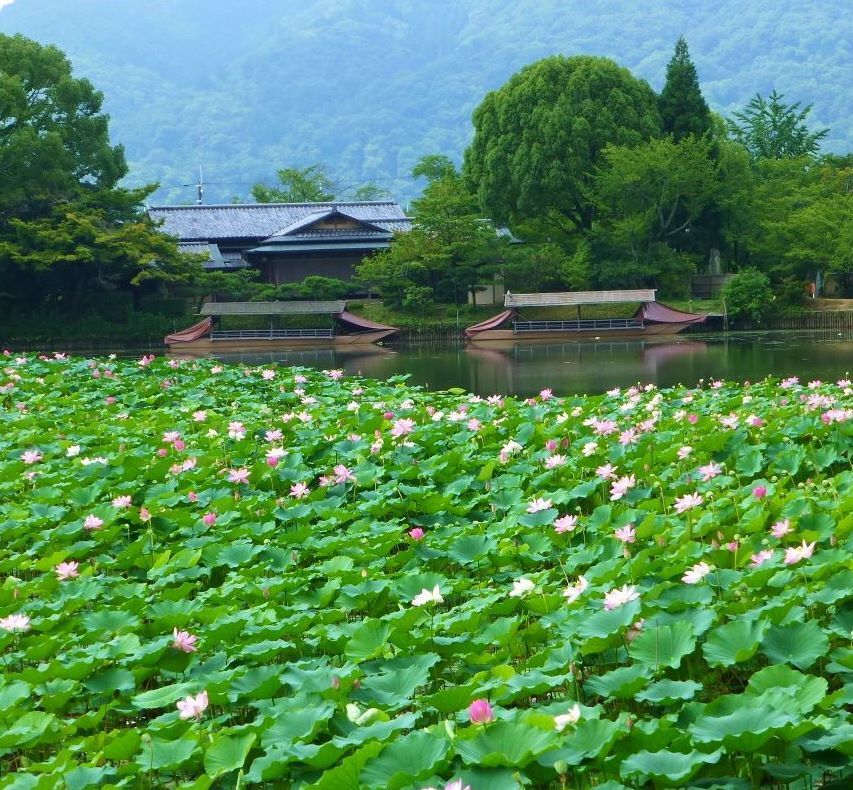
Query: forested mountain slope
367, 87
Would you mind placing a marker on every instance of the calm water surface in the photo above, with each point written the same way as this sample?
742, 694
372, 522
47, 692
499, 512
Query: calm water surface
592, 367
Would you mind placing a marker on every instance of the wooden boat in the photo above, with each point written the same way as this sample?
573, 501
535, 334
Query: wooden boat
208, 337
652, 318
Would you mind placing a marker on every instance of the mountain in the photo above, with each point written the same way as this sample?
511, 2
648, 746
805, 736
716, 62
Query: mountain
367, 87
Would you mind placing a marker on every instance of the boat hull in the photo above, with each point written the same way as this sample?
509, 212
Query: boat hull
204, 345
502, 336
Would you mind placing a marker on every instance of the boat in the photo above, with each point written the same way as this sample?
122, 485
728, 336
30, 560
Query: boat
209, 337
652, 318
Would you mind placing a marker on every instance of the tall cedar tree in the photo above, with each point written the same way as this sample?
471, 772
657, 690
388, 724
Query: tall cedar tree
682, 107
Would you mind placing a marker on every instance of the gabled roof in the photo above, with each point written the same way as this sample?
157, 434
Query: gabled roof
310, 220
257, 221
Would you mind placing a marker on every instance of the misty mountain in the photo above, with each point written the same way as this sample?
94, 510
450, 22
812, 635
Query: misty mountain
367, 87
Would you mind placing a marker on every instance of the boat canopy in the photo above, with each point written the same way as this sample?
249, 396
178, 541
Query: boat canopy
490, 323
357, 322
273, 308
659, 313
572, 298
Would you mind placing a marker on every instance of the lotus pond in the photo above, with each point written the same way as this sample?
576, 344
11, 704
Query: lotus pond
219, 576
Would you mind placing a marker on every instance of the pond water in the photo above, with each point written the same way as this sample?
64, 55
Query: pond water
591, 367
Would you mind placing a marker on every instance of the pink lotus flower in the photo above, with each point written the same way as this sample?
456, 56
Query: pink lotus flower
146, 360
693, 418
781, 528
551, 445
193, 707
480, 712
192, 496
553, 461
606, 471
683, 452
695, 574
184, 641
267, 374
626, 534
687, 502
238, 476
621, 487
236, 430
15, 622
123, 501
794, 554
200, 415
343, 475
402, 427
335, 375
416, 533
574, 591
546, 394
620, 596
299, 490
789, 382
759, 492
635, 630
209, 519
766, 555
538, 504
565, 524
31, 456
628, 436
710, 471
92, 522
66, 570
275, 455
144, 514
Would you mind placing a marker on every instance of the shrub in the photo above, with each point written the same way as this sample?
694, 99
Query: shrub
748, 296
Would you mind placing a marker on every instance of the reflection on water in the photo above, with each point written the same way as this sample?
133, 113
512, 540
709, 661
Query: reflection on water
568, 368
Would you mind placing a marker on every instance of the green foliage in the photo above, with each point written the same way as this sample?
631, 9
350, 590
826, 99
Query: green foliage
771, 129
682, 107
748, 296
450, 251
670, 660
298, 185
538, 139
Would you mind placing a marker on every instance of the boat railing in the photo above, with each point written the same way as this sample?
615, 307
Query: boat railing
519, 327
268, 334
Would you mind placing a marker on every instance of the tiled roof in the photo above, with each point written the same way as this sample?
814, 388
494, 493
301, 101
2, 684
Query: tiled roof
261, 220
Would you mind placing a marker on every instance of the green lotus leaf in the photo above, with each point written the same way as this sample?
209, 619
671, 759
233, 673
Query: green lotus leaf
368, 640
111, 680
805, 691
31, 728
666, 692
622, 683
227, 753
413, 756
164, 696
346, 775
674, 768
158, 754
504, 743
663, 645
592, 738
745, 729
800, 644
734, 642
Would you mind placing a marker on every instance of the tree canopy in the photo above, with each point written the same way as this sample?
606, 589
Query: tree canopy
683, 109
298, 185
66, 229
769, 128
538, 139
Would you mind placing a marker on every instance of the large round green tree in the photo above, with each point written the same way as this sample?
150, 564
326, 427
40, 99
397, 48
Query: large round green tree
67, 229
538, 139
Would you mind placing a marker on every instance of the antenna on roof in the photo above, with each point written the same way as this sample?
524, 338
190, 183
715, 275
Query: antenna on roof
200, 187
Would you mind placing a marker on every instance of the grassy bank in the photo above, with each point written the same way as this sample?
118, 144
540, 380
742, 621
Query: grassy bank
287, 578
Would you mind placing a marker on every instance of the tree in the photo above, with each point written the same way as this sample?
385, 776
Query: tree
298, 185
771, 129
538, 139
370, 191
450, 250
54, 140
648, 196
748, 296
683, 109
66, 229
